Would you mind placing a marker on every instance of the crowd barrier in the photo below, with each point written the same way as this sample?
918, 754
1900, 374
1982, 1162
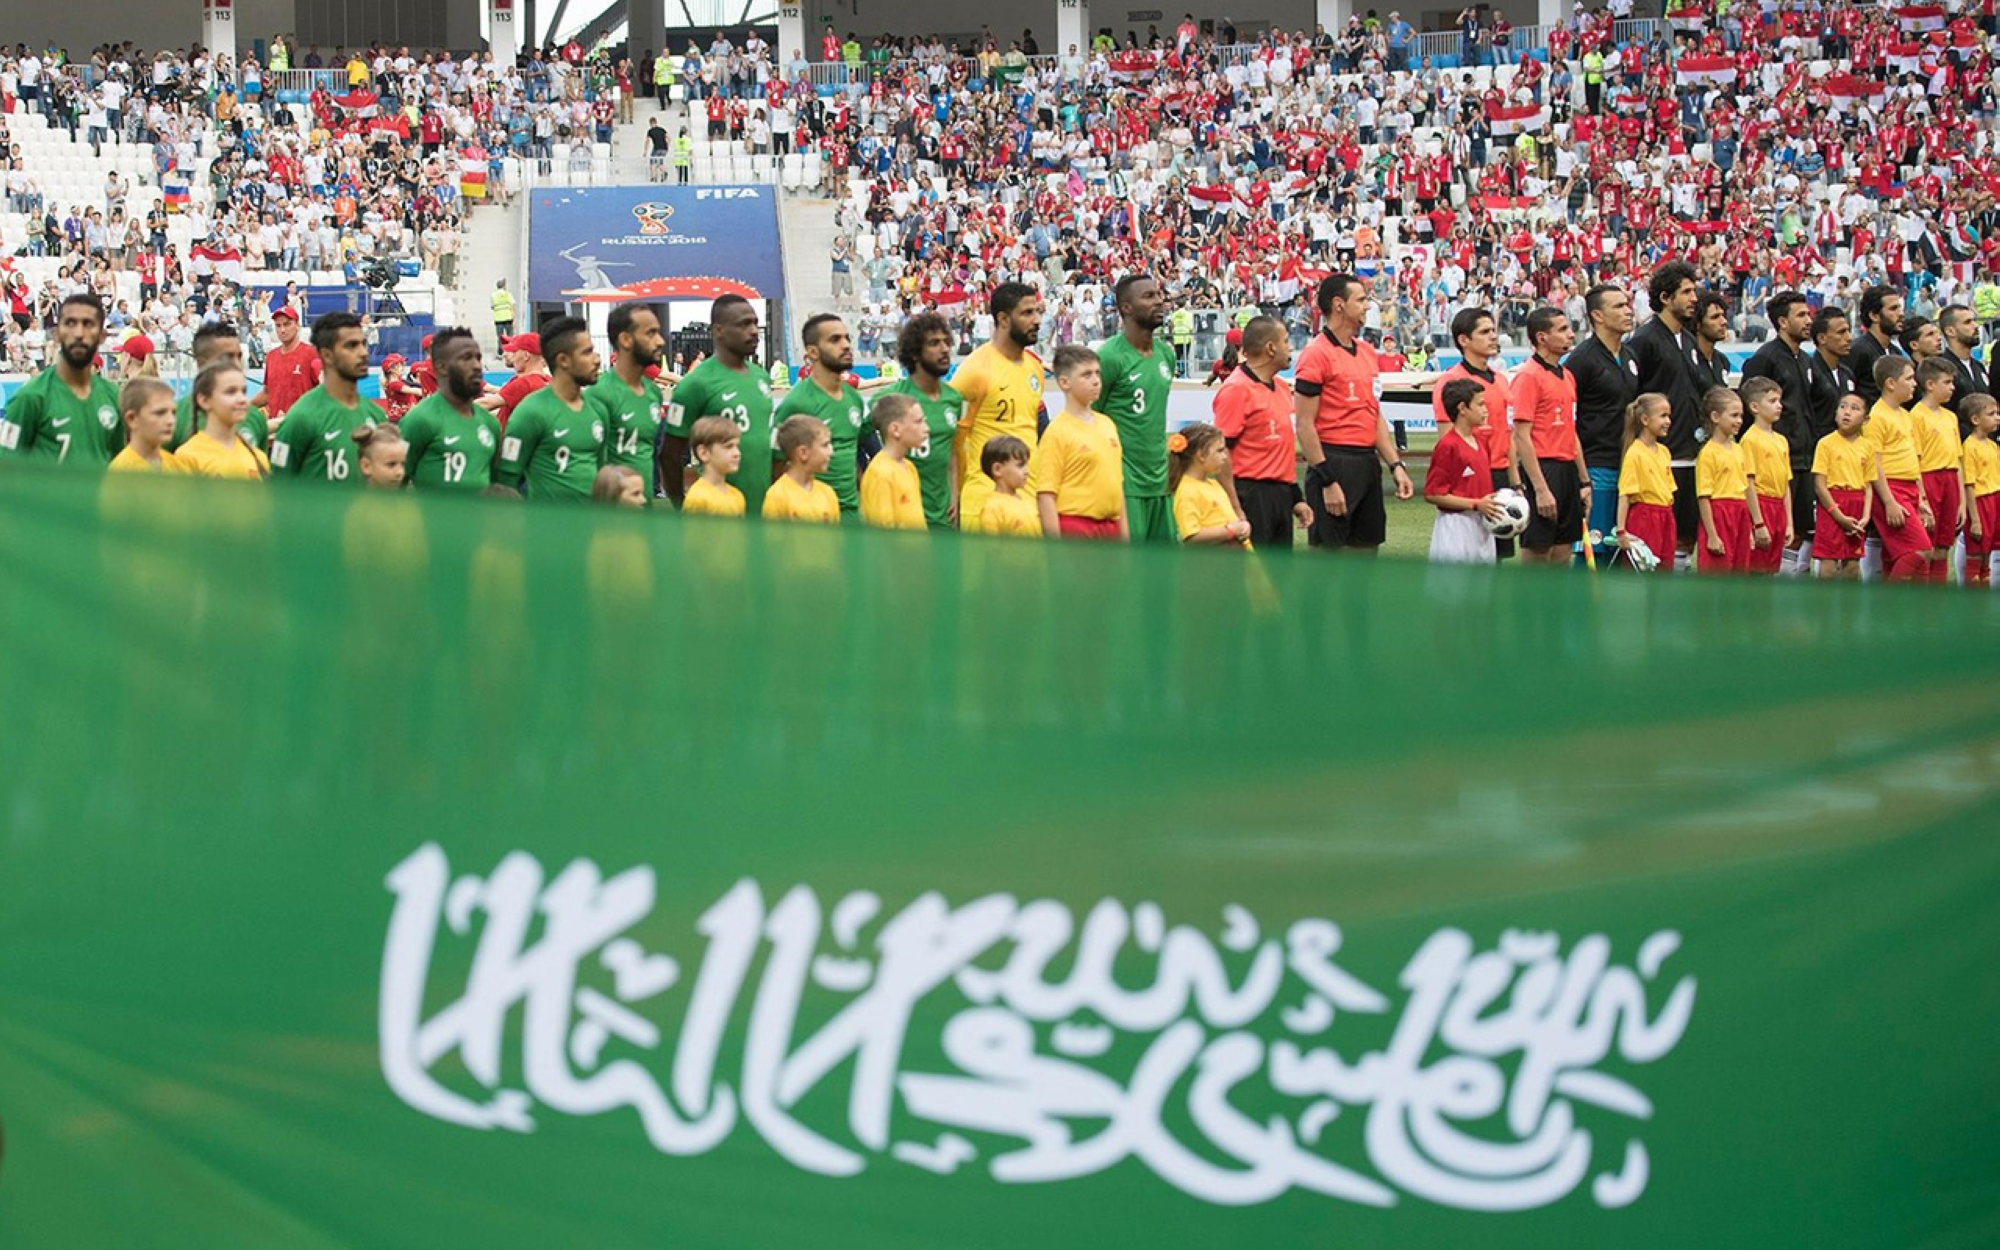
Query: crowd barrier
383, 870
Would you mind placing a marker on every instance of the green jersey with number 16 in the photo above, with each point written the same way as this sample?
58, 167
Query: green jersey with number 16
1135, 398
447, 450
712, 389
315, 440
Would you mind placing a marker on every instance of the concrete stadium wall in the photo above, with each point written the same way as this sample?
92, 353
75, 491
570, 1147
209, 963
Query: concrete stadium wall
1007, 18
83, 24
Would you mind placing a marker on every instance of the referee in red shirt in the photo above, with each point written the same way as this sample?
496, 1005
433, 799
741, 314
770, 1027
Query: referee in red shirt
1253, 409
1341, 430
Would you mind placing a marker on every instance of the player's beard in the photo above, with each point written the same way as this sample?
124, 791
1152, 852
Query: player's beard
467, 390
79, 355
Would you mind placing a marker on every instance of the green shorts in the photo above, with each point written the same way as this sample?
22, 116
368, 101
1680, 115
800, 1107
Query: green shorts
1151, 519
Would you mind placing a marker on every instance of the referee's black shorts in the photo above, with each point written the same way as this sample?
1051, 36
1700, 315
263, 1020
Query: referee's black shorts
1359, 474
1567, 527
1503, 548
1267, 506
1687, 517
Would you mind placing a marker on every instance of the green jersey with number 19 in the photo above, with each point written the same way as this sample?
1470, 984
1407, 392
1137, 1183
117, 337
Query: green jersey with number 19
712, 389
450, 451
315, 439
556, 448
46, 420
842, 415
1135, 398
631, 422
933, 458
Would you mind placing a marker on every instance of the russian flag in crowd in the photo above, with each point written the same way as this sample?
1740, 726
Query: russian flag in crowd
174, 191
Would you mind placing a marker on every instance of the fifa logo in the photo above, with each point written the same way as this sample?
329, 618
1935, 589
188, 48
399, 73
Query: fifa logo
653, 216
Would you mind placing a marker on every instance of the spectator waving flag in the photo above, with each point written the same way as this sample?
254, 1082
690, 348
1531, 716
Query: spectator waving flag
1915, 19
1905, 58
1512, 119
1689, 17
472, 175
174, 191
1691, 71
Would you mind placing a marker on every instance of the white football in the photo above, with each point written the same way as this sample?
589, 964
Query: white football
1514, 513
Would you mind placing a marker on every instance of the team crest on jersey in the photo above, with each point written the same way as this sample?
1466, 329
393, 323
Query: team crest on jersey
107, 416
597, 430
1166, 371
766, 388
485, 437
1035, 383
854, 417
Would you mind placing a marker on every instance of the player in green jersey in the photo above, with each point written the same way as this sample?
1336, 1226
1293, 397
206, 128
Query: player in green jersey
725, 385
452, 439
213, 341
824, 395
627, 401
1138, 374
555, 441
68, 413
316, 439
923, 348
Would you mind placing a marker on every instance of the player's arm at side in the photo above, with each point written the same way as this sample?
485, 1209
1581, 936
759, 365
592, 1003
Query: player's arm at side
971, 385
418, 432
291, 446
21, 425
492, 424
517, 448
670, 450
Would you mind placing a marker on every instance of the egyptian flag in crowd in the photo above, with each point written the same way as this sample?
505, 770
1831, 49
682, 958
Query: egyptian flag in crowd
1512, 119
1135, 65
472, 174
1853, 88
1688, 17
361, 101
1506, 203
217, 257
1692, 71
1914, 19
174, 192
1905, 58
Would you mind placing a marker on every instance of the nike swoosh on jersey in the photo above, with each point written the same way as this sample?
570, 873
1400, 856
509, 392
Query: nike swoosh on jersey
332, 434
453, 439
56, 423
562, 433
727, 395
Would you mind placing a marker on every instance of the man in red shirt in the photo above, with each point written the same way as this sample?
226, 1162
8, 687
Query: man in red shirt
290, 369
1546, 445
1340, 425
531, 373
1254, 410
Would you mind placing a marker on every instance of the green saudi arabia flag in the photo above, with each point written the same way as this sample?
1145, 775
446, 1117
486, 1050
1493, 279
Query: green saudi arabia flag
383, 871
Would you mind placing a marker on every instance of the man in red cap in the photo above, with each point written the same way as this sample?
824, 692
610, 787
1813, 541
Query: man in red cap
531, 372
290, 369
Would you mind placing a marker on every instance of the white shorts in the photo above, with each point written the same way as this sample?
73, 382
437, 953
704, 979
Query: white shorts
1461, 538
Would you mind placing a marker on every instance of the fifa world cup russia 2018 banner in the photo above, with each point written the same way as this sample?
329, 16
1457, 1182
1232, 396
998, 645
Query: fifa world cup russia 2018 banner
392, 871
612, 244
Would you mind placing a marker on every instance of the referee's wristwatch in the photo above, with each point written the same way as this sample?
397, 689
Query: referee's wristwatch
1397, 465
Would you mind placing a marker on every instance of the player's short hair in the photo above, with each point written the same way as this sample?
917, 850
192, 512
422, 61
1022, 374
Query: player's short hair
910, 339
139, 392
83, 299
1755, 389
327, 327
1332, 287
207, 336
893, 408
559, 337
1466, 322
1542, 320
1457, 394
721, 306
713, 432
797, 433
447, 335
1007, 297
1887, 367
609, 483
1950, 315
1593, 299
1780, 306
621, 319
1667, 279
1936, 369
1823, 320
1125, 285
1872, 301
1070, 357
1259, 331
1708, 300
999, 450
810, 334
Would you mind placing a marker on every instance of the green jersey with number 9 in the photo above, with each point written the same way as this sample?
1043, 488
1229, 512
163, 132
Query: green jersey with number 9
1135, 398
712, 389
556, 449
315, 440
631, 422
450, 451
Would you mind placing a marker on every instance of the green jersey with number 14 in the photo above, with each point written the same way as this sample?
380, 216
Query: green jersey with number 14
1135, 398
447, 450
631, 422
712, 389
